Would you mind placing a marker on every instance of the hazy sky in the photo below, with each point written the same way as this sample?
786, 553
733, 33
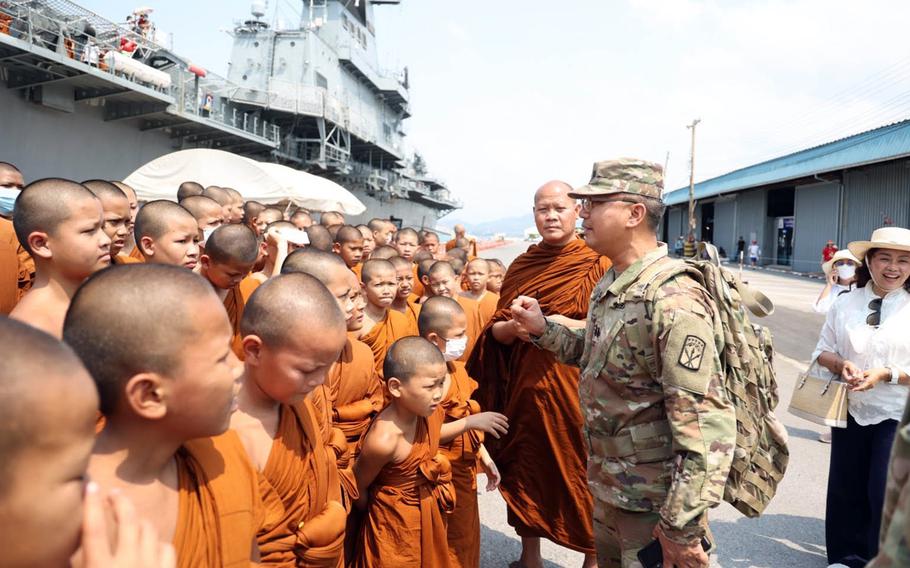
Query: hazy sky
508, 94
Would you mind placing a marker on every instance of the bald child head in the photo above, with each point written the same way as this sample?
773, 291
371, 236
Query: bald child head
232, 244
208, 213
48, 410
348, 245
410, 358
439, 315
333, 273
422, 255
166, 233
187, 189
330, 218
384, 252
270, 215
320, 238
251, 210
116, 210
46, 204
375, 267
218, 194
301, 219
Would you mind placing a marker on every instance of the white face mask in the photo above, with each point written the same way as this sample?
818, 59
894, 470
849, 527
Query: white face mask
455, 348
846, 271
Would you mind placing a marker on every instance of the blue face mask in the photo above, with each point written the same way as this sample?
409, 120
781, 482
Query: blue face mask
8, 197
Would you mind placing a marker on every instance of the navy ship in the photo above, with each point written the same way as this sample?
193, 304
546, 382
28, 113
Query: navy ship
87, 97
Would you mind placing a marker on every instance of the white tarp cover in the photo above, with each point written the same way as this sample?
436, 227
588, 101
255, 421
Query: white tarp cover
257, 181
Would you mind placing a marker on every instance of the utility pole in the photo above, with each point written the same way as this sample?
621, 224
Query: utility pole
692, 178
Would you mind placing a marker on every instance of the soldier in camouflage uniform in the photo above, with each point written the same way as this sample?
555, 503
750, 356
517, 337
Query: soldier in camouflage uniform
660, 427
894, 540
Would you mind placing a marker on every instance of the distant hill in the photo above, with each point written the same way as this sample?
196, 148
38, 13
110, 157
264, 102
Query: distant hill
511, 226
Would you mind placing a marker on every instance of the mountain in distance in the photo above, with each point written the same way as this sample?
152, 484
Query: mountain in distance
511, 226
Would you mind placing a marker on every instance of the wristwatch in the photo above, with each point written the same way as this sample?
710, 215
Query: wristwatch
895, 376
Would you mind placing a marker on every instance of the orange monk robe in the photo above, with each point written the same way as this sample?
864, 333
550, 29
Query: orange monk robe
475, 323
137, 254
464, 522
413, 309
9, 267
386, 332
234, 303
405, 522
419, 289
543, 458
356, 391
223, 504
358, 271
121, 258
302, 472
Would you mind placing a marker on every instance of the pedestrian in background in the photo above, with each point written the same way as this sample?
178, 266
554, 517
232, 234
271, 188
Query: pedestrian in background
840, 277
864, 341
828, 251
754, 253
740, 247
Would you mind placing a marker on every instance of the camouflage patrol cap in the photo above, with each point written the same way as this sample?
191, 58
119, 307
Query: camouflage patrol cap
625, 175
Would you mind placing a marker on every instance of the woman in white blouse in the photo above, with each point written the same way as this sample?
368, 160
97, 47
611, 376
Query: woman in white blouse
865, 342
840, 277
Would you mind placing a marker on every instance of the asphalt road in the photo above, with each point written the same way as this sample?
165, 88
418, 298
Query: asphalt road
791, 532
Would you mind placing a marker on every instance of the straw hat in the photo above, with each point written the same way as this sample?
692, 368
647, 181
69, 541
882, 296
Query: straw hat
840, 255
894, 238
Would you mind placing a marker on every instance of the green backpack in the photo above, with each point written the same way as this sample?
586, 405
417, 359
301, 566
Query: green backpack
761, 455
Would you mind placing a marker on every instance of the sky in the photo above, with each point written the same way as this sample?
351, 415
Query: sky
507, 95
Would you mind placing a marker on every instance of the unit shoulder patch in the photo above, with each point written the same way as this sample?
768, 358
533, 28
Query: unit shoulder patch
692, 352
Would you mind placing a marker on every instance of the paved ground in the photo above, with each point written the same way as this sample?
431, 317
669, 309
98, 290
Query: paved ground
791, 532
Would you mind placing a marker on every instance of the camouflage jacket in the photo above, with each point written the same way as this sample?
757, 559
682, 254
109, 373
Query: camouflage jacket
660, 427
894, 545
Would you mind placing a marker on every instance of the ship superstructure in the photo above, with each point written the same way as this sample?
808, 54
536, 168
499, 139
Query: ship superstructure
87, 97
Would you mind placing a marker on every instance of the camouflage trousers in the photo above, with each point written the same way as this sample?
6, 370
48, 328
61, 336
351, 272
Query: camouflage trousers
620, 534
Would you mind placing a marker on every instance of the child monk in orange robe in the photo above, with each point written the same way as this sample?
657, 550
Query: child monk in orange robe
208, 214
229, 256
476, 275
59, 222
287, 355
166, 233
497, 273
443, 323
348, 245
116, 210
156, 340
382, 326
368, 242
129, 247
405, 483
46, 509
405, 301
444, 282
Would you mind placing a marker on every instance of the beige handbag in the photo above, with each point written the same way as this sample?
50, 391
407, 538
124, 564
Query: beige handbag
820, 397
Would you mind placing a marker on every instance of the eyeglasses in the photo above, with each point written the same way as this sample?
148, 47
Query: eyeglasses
588, 203
875, 318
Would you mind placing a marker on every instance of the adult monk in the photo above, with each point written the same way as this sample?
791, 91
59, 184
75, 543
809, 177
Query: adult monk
543, 459
459, 234
16, 266
189, 188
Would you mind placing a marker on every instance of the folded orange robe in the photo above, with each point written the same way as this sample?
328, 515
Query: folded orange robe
488, 303
302, 471
137, 254
221, 507
9, 267
405, 521
464, 522
419, 289
386, 332
121, 258
543, 458
475, 323
356, 391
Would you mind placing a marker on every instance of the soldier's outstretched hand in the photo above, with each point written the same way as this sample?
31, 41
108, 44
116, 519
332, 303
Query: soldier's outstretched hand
526, 311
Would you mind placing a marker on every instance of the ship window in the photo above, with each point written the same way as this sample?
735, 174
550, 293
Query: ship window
321, 81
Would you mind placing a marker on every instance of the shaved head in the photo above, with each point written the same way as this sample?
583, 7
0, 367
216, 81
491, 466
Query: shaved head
459, 230
251, 209
233, 193
554, 189
44, 204
428, 236
116, 323
498, 263
288, 303
376, 224
104, 189
330, 218
424, 266
187, 189
201, 206
440, 268
232, 244
462, 243
422, 255
127, 189
218, 194
8, 168
156, 217
555, 213
301, 219
479, 262
407, 232
407, 356
320, 238
459, 253
373, 267
401, 262
282, 224
437, 314
384, 252
319, 264
270, 215
348, 234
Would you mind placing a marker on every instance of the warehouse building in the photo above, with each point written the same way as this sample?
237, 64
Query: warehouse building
792, 205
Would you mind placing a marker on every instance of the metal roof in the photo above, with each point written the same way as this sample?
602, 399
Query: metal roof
878, 145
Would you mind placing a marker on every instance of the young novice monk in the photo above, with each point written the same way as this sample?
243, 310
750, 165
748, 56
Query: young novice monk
368, 242
59, 223
209, 215
130, 249
287, 355
443, 323
156, 340
405, 483
230, 253
382, 326
497, 273
116, 210
405, 300
443, 282
477, 274
45, 505
349, 246
166, 233
384, 252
